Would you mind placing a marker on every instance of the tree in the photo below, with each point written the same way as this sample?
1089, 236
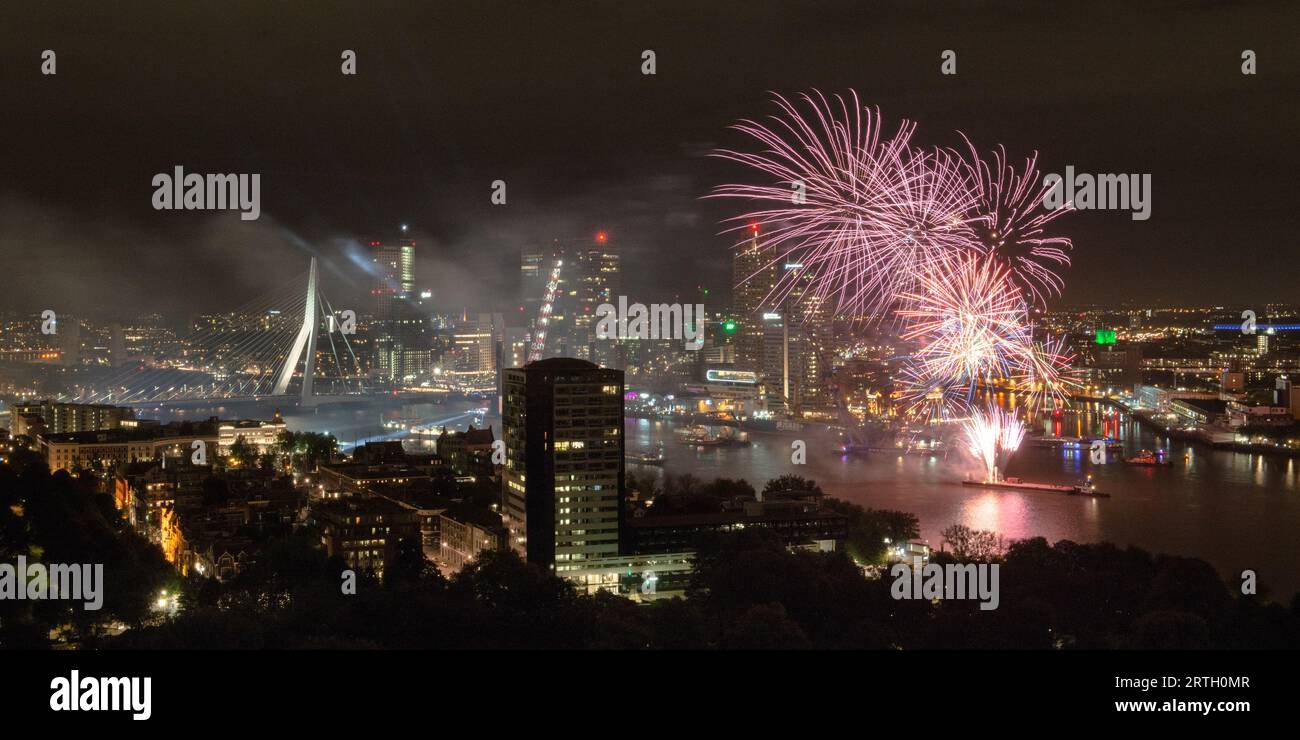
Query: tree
725, 489
977, 545
216, 491
766, 627
502, 579
1170, 630
266, 461
242, 453
306, 450
642, 484
871, 531
59, 518
684, 484
409, 566
792, 483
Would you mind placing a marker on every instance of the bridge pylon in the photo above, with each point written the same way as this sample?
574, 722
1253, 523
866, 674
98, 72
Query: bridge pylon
306, 340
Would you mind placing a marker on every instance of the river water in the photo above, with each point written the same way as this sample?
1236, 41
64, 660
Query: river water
1236, 510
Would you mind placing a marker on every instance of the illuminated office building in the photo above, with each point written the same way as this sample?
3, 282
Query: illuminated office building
562, 423
753, 276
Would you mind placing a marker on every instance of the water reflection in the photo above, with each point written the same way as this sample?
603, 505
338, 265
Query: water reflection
1236, 510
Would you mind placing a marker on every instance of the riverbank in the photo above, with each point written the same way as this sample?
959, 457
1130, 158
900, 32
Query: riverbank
1147, 418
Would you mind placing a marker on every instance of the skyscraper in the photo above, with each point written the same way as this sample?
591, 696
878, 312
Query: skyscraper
753, 276
532, 282
514, 350
69, 330
400, 340
589, 277
116, 345
535, 270
562, 423
808, 337
473, 344
394, 270
597, 283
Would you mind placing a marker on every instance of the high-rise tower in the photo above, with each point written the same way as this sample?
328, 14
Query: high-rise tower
597, 283
562, 423
590, 277
394, 270
753, 277
397, 327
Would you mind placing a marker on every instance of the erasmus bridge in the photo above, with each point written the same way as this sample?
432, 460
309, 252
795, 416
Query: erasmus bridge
289, 345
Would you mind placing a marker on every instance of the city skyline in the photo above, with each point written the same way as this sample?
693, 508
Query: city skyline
964, 334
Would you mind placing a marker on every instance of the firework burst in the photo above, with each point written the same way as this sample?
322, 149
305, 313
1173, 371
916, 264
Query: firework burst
970, 322
862, 211
992, 435
1046, 373
952, 245
1008, 219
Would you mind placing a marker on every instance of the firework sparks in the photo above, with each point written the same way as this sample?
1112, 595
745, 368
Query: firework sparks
861, 211
951, 244
1008, 219
970, 320
1046, 373
992, 435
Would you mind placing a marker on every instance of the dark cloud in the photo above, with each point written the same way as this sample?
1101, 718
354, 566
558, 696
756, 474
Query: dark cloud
549, 97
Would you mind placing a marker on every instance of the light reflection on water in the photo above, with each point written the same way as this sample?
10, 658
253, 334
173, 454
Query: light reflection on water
1236, 510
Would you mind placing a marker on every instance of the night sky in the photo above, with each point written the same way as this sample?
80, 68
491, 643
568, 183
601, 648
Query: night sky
550, 98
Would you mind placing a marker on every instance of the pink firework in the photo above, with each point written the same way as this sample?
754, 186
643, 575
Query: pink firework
1045, 373
1009, 219
861, 211
954, 246
970, 321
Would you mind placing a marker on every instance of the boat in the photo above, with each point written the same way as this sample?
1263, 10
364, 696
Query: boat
774, 425
854, 448
1085, 489
925, 446
861, 441
701, 436
1146, 457
1083, 443
646, 458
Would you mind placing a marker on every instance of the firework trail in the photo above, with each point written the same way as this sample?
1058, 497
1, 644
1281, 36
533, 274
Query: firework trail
992, 435
1008, 220
862, 211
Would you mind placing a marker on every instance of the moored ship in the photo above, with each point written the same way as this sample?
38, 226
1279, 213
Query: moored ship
702, 436
1147, 457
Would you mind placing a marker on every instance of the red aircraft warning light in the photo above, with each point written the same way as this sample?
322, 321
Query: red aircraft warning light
601, 236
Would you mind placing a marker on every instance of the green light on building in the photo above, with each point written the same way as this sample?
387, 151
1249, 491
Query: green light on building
1105, 336
729, 327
